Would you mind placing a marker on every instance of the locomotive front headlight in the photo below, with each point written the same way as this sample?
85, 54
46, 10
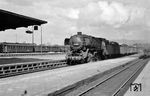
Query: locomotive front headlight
76, 44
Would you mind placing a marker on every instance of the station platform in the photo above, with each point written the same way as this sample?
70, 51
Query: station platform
45, 82
50, 56
141, 86
22, 59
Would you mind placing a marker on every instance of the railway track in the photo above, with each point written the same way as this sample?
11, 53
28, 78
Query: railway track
108, 83
28, 67
114, 83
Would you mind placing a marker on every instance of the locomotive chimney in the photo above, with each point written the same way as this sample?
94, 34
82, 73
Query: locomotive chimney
79, 33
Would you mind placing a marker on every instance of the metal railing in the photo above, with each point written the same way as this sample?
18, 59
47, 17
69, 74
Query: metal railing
27, 67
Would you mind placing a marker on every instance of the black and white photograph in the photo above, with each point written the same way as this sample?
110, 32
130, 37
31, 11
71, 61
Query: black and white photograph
74, 48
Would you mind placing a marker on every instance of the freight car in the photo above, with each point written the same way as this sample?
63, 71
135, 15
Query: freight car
124, 49
128, 50
113, 49
6, 47
85, 48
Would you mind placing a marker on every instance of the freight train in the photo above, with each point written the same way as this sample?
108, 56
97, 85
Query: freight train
84, 48
6, 47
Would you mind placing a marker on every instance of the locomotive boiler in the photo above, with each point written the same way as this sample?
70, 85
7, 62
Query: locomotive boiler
85, 48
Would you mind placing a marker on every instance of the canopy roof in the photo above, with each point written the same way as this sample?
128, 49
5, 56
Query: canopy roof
10, 20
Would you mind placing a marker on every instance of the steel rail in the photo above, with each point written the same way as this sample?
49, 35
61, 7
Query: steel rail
117, 92
91, 88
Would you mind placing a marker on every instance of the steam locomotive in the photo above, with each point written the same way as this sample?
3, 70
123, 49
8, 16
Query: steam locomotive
85, 48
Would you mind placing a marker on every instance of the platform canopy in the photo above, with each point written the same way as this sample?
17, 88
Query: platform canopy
10, 20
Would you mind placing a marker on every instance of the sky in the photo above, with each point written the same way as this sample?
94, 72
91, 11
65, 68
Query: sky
110, 19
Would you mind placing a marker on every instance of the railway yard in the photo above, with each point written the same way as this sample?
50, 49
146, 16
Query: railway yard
84, 65
97, 78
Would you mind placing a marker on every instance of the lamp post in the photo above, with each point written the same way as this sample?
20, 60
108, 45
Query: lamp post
16, 43
36, 28
32, 35
41, 40
31, 32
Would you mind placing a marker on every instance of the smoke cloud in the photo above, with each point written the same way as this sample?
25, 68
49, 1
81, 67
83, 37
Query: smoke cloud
113, 14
